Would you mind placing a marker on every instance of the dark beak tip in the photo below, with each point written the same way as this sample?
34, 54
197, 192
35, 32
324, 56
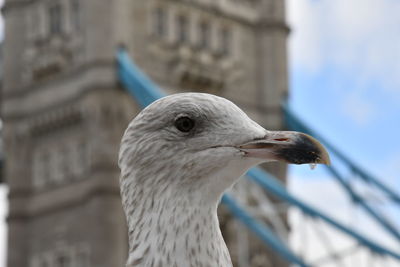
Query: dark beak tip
305, 150
315, 147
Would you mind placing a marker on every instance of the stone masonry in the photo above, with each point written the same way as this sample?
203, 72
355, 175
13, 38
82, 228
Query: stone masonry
64, 111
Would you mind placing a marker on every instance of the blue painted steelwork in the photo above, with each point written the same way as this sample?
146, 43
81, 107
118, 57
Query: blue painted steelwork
357, 199
261, 231
272, 185
295, 124
145, 92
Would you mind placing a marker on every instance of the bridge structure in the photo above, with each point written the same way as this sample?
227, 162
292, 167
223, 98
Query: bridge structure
263, 218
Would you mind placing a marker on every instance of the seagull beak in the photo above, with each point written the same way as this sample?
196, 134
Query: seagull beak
291, 147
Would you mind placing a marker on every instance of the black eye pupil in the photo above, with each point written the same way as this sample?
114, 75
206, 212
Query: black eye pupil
184, 124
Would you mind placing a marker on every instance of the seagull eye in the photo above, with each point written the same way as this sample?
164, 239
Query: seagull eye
184, 124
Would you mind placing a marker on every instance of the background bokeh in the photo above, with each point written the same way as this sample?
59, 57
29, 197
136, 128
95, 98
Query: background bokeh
345, 82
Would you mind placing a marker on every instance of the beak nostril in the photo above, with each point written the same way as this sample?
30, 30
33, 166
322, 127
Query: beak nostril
282, 139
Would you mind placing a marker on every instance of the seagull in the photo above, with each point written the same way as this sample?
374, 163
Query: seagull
177, 157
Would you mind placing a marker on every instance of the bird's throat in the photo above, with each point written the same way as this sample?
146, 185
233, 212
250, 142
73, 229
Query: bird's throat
172, 230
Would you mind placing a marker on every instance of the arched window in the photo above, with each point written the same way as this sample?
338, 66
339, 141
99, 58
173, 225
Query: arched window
182, 29
40, 169
225, 41
204, 35
76, 19
63, 261
55, 18
82, 258
160, 22
80, 159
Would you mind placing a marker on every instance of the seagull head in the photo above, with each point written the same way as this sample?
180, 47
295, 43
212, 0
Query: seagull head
194, 142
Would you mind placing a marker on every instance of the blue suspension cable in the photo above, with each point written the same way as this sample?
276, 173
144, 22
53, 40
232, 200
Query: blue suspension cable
272, 185
357, 199
261, 231
294, 123
143, 90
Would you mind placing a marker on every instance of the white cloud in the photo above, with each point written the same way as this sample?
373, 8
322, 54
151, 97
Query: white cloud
305, 42
324, 194
361, 36
358, 108
390, 171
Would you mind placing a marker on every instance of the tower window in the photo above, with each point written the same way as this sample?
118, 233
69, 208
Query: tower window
182, 29
226, 41
82, 259
40, 169
204, 38
63, 261
160, 22
55, 19
76, 15
39, 262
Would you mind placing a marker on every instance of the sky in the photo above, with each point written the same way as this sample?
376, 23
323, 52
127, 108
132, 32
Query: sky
344, 63
3, 227
345, 83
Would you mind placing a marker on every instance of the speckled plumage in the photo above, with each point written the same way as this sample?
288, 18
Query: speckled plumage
171, 181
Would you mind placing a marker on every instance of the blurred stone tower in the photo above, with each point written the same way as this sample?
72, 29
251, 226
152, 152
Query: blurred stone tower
64, 112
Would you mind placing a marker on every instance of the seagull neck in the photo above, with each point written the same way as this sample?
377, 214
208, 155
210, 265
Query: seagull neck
173, 229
